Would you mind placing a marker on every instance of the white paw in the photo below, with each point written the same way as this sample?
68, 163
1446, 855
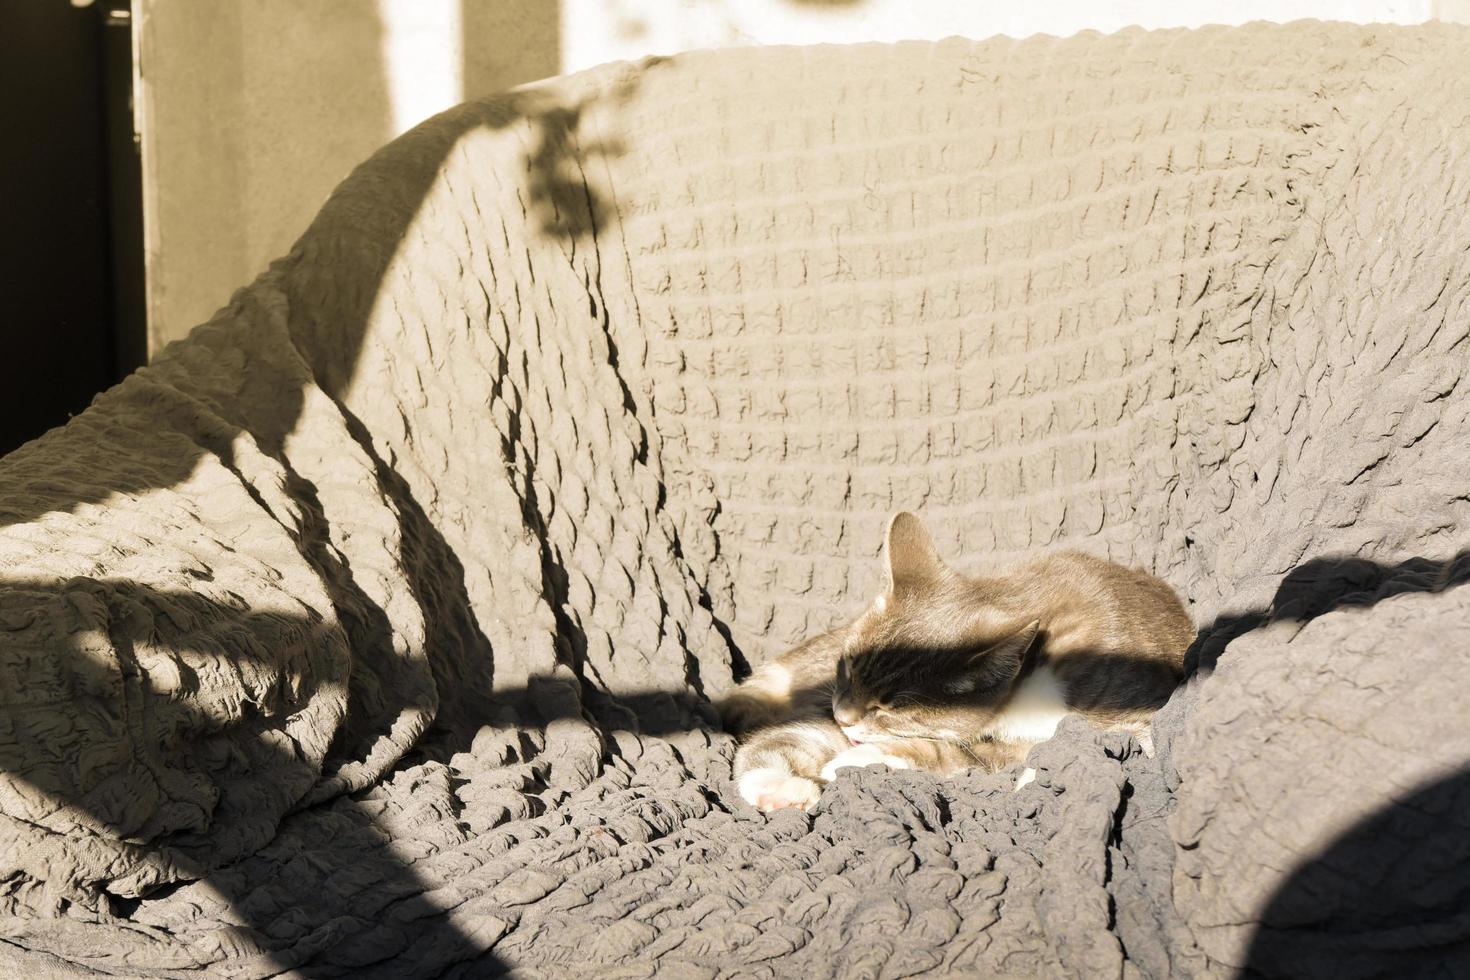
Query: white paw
772, 789
1146, 741
1027, 775
859, 756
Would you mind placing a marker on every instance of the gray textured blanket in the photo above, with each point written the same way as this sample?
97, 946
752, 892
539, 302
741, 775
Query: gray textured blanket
371, 630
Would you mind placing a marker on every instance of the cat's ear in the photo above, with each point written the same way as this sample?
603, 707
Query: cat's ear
913, 562
996, 666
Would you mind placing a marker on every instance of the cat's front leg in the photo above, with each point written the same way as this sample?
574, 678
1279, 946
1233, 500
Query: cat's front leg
778, 767
862, 755
771, 789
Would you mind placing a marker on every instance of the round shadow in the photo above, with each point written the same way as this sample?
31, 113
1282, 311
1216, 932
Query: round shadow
1390, 898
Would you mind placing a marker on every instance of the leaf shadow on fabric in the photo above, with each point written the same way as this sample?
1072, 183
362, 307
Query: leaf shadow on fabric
305, 922
329, 891
1321, 585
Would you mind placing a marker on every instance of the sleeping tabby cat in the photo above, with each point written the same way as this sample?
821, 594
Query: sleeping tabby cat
945, 672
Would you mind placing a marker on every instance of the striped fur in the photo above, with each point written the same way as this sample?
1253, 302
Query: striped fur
946, 672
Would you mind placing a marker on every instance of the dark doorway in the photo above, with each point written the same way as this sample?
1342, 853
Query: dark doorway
70, 194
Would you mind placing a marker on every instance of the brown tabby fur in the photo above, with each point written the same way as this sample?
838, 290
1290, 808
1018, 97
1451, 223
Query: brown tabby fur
945, 672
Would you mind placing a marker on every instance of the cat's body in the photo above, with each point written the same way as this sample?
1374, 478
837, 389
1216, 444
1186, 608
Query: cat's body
946, 672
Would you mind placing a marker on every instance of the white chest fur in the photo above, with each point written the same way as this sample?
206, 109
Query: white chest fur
1034, 711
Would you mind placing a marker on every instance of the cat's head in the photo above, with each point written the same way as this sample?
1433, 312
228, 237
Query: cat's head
930, 658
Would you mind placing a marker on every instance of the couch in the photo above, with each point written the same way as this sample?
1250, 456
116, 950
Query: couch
373, 629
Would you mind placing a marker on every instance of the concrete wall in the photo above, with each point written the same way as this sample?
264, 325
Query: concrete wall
251, 111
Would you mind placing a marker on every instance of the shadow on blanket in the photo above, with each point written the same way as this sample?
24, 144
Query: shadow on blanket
563, 208
331, 870
1391, 897
1319, 586
357, 245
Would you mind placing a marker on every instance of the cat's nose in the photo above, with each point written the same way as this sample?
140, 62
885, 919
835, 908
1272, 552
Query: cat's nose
846, 714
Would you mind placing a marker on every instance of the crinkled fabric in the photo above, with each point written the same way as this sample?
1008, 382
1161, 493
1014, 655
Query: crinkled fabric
371, 630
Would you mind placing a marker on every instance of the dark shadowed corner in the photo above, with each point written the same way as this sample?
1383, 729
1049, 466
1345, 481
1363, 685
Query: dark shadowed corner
1388, 898
322, 893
